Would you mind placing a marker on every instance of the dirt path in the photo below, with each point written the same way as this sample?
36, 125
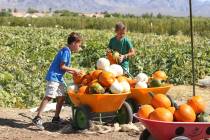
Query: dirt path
15, 124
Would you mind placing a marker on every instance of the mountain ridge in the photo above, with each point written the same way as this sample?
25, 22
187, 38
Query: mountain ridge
136, 7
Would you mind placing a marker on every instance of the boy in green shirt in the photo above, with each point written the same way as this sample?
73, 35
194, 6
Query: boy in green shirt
122, 45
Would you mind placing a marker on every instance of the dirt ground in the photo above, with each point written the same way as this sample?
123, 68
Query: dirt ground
15, 124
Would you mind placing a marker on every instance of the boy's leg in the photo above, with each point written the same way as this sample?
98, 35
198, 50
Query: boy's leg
60, 101
43, 104
38, 120
50, 93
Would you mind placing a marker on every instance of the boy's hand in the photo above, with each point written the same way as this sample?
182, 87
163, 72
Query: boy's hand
122, 57
108, 50
79, 72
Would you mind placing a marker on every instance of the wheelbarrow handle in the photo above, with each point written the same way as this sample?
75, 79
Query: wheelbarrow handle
127, 72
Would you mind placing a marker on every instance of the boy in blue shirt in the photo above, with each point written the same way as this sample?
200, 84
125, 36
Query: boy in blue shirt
55, 82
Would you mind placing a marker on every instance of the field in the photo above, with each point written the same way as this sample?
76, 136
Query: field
28, 46
26, 53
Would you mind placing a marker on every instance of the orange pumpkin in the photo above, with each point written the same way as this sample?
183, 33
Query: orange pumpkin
77, 78
161, 114
145, 110
93, 81
70, 91
160, 100
171, 109
197, 103
83, 90
185, 113
106, 79
132, 82
121, 78
95, 74
86, 79
160, 75
91, 73
110, 58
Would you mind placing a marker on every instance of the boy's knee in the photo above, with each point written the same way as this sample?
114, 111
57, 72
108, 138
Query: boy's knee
47, 98
61, 98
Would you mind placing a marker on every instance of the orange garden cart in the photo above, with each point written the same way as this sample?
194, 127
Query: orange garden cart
140, 96
86, 105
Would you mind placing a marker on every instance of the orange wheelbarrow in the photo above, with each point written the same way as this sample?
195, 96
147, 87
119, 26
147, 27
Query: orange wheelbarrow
159, 130
85, 106
140, 96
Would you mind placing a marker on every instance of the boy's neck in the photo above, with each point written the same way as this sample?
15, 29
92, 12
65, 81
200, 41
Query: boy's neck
69, 46
119, 38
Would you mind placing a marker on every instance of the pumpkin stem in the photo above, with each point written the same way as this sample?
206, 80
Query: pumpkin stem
171, 100
151, 94
173, 103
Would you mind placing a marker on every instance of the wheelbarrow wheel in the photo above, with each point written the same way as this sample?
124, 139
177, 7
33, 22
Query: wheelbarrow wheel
146, 135
82, 117
134, 106
125, 114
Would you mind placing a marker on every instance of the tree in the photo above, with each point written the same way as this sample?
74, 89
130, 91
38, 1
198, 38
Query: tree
159, 15
31, 11
50, 10
5, 12
15, 10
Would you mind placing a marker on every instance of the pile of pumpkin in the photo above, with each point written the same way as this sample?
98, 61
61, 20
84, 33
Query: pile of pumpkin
107, 78
142, 80
157, 79
163, 108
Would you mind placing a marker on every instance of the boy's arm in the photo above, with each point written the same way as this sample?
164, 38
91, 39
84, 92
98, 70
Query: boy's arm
131, 49
130, 53
69, 69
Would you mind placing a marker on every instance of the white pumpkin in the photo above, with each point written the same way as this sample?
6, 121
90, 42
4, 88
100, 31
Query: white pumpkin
141, 85
117, 69
102, 63
73, 87
116, 87
142, 77
126, 86
108, 69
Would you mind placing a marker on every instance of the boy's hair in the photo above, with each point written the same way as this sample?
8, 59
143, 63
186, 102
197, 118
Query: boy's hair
73, 37
119, 26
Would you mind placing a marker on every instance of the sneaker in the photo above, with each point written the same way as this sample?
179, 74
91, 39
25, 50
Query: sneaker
37, 121
57, 120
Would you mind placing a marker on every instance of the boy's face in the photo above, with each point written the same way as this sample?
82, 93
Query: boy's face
76, 47
120, 33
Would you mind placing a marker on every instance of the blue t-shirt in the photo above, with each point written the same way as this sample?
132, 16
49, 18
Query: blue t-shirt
55, 73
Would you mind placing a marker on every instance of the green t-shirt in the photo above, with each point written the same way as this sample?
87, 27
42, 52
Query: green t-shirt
122, 46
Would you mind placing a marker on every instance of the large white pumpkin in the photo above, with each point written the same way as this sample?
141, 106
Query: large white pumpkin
102, 63
141, 85
117, 69
126, 86
116, 87
142, 77
73, 87
108, 69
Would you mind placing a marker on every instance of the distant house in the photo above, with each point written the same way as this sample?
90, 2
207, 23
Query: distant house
34, 15
97, 15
